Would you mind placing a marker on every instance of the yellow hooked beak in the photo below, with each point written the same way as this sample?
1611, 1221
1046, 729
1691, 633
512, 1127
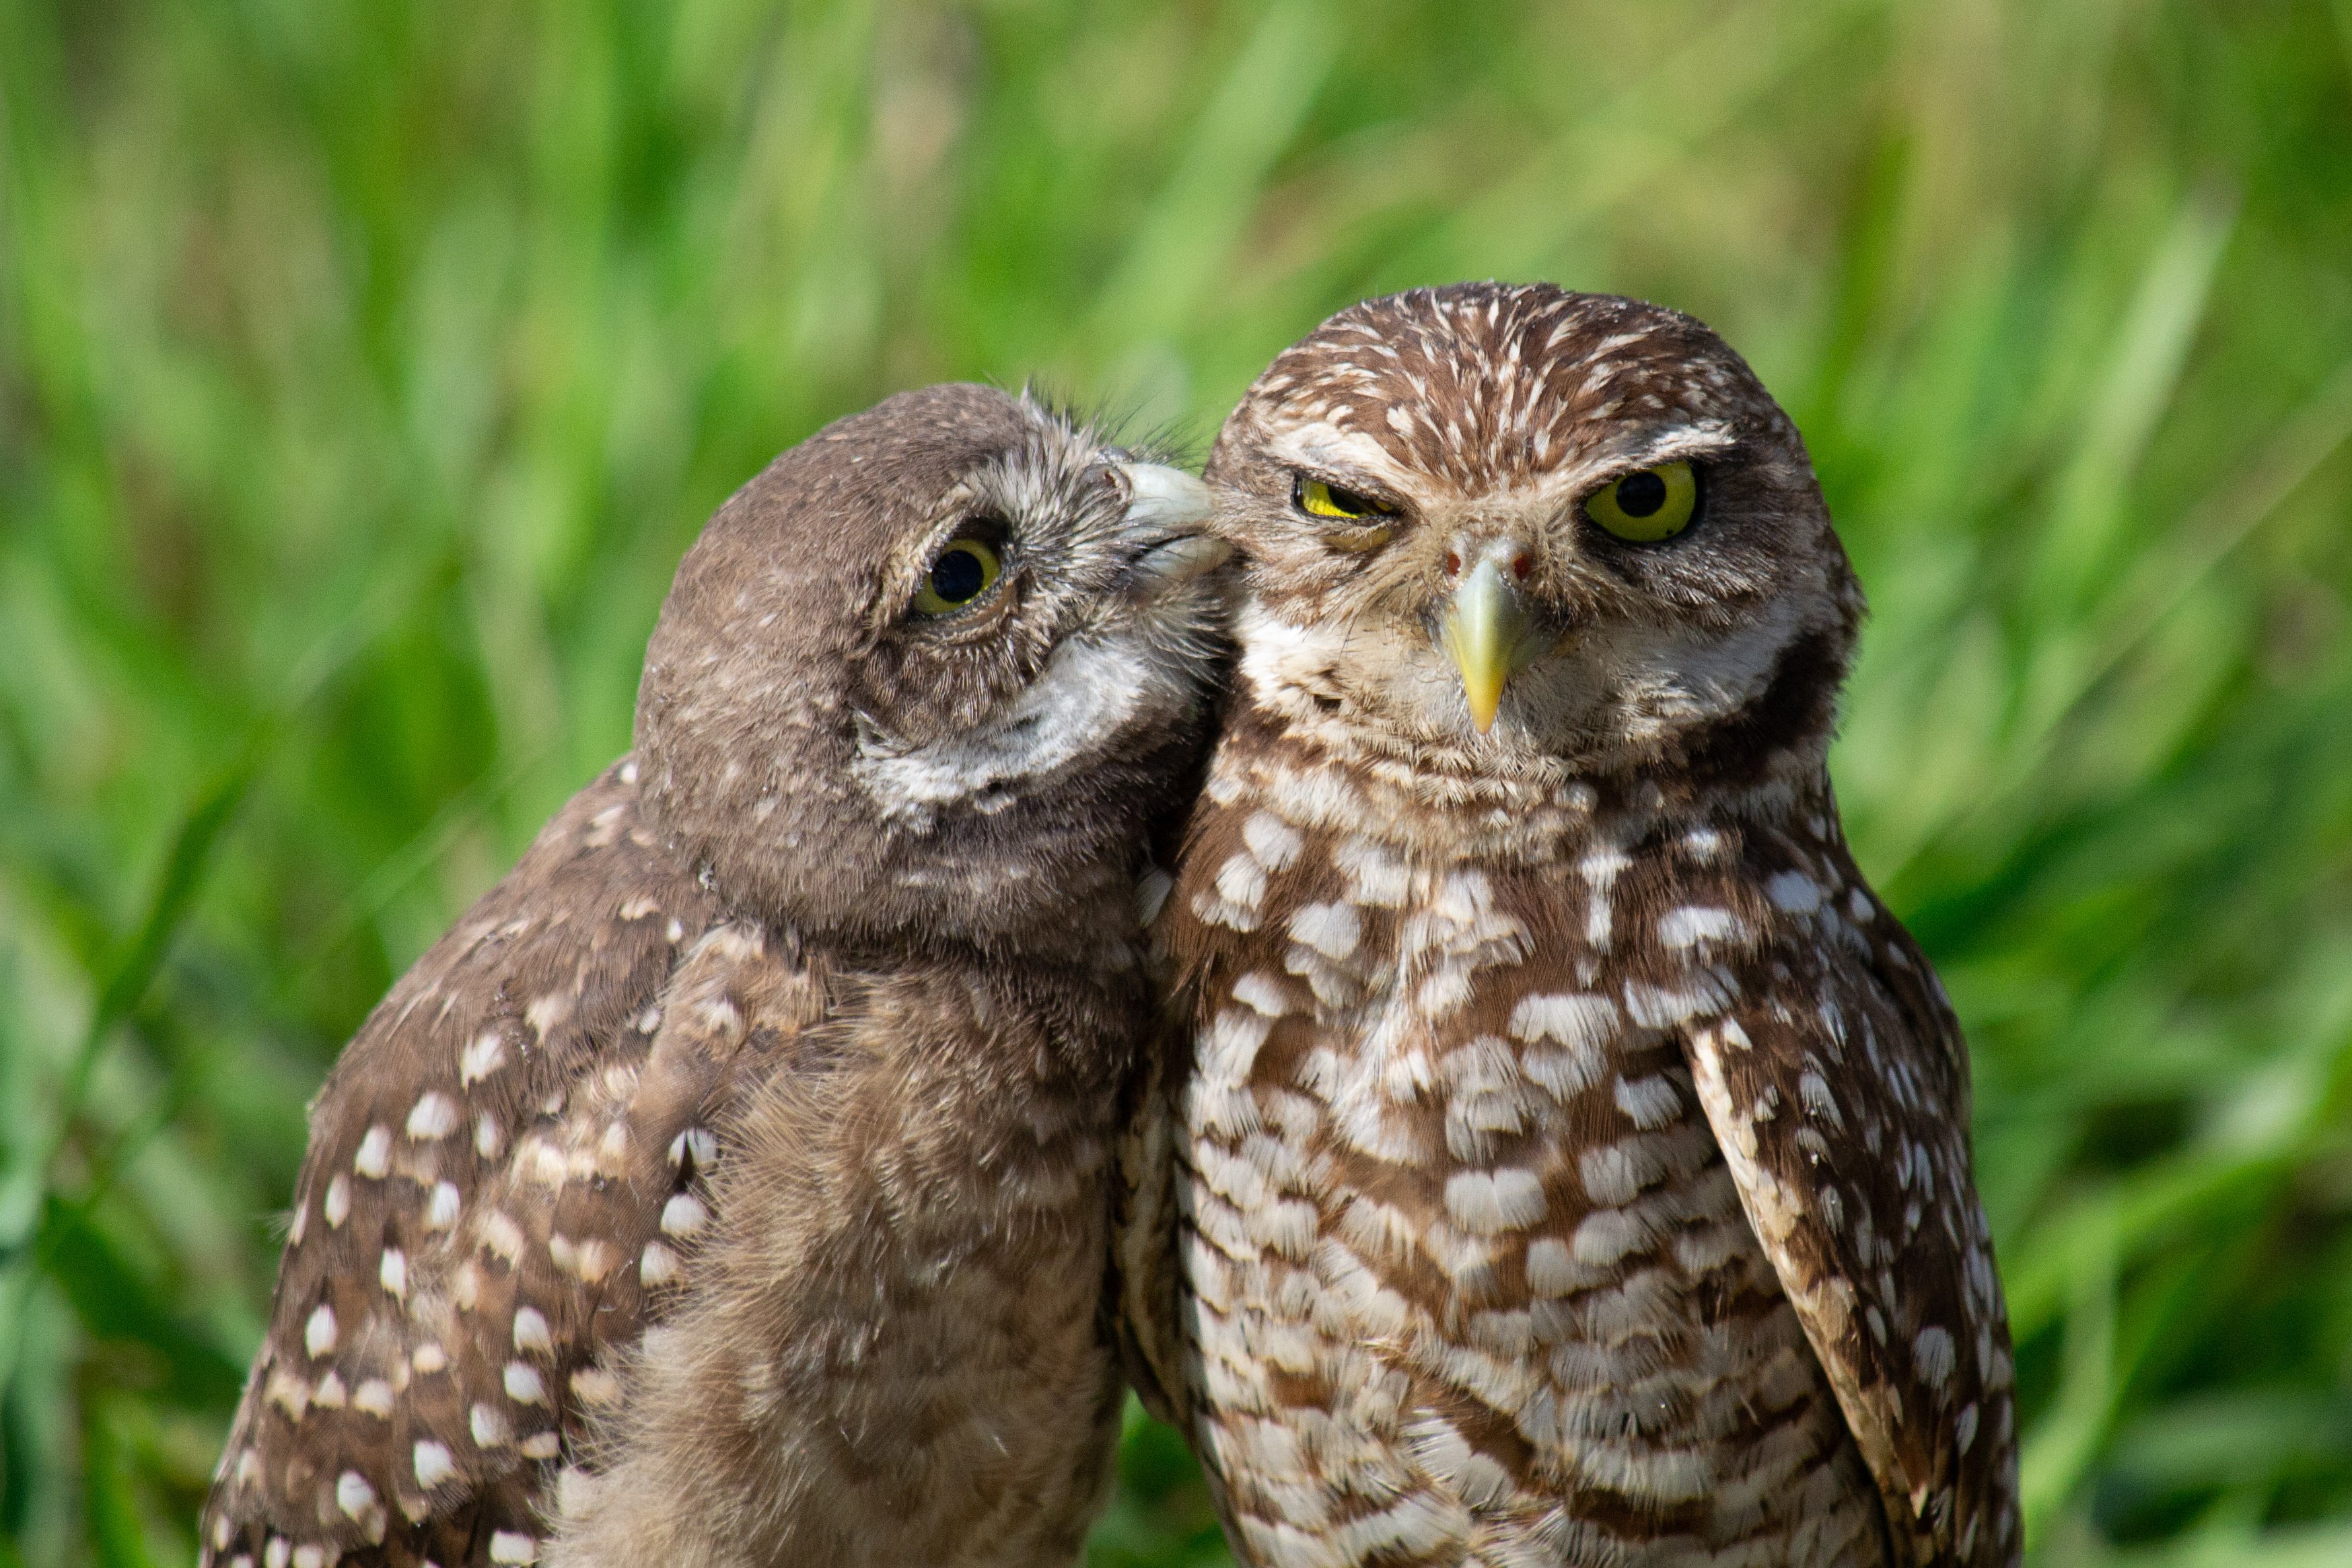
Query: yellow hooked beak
1488, 634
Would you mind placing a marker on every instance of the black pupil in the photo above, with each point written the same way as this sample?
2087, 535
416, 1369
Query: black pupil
958, 575
1344, 501
1641, 494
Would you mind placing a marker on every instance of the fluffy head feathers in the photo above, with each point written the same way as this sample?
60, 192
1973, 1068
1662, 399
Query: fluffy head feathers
1481, 419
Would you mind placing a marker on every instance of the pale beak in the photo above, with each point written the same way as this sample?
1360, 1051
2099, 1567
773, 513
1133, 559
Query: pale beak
1487, 634
1158, 493
1166, 509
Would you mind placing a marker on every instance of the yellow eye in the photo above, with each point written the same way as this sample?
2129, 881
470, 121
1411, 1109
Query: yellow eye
1648, 504
1316, 499
960, 574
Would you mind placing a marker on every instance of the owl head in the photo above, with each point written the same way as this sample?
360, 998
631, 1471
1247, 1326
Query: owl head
932, 673
1521, 529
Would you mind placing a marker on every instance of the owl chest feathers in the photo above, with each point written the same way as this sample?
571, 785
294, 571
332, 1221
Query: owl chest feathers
1469, 1273
630, 1224
901, 1283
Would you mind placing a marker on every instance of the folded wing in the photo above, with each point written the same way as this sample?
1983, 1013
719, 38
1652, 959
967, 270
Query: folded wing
1836, 1083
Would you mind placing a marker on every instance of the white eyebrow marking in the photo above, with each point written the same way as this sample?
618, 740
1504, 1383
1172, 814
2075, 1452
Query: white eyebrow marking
1320, 445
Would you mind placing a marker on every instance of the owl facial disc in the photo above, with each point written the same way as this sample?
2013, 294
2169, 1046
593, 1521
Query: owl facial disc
1100, 680
934, 669
1527, 531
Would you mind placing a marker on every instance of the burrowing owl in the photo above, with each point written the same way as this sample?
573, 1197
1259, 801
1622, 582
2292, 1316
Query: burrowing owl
729, 1186
1568, 1162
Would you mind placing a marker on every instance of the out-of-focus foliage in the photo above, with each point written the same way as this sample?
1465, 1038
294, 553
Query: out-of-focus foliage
364, 367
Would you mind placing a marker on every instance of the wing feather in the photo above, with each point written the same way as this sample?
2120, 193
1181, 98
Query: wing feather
488, 1161
1837, 1085
1146, 1265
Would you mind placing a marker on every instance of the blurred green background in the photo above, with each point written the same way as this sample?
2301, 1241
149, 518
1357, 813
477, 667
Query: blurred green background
365, 366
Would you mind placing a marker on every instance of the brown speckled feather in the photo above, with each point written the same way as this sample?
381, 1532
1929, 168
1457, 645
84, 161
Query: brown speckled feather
732, 1186
488, 1166
1838, 1087
1561, 1156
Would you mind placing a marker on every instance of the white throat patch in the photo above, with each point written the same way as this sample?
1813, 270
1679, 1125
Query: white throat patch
1088, 690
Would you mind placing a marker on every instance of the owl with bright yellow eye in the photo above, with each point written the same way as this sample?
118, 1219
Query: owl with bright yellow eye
1563, 1158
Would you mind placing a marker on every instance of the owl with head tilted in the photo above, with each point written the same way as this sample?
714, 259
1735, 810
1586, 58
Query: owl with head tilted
731, 1185
1564, 1159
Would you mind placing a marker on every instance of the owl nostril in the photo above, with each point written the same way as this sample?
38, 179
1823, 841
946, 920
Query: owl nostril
1454, 563
1521, 565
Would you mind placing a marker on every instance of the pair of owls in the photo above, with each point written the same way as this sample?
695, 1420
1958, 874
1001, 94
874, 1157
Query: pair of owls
1521, 1137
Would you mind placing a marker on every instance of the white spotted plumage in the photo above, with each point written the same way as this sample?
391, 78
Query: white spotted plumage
1564, 1157
738, 1162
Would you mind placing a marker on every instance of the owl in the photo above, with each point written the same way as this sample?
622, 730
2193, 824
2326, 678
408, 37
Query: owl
731, 1185
1565, 1159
